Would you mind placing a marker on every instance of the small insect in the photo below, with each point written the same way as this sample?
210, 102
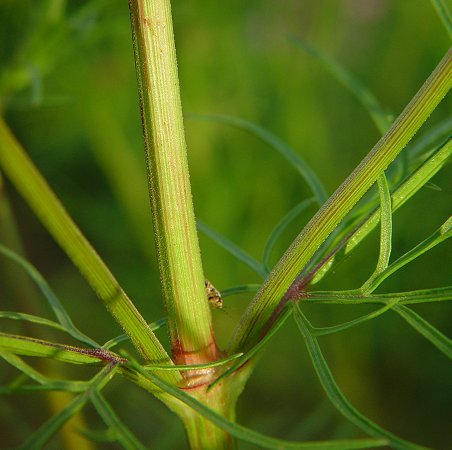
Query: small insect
214, 297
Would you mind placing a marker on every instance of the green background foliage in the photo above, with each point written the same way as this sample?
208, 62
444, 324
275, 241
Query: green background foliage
68, 90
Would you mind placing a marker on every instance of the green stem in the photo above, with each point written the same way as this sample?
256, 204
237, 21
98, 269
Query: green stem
339, 204
189, 317
29, 182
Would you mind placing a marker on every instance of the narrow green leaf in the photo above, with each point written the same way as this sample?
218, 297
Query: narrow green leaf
27, 346
38, 194
53, 301
403, 298
432, 138
247, 434
316, 331
123, 337
385, 224
32, 319
444, 14
120, 432
232, 248
277, 144
241, 289
49, 428
220, 362
425, 295
281, 227
438, 339
381, 118
385, 232
399, 197
335, 394
98, 436
443, 233
46, 383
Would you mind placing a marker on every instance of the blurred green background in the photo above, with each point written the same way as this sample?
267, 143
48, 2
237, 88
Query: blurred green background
68, 91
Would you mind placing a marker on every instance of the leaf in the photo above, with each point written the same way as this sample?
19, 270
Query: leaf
358, 321
381, 118
403, 298
437, 134
232, 248
49, 428
27, 346
47, 383
277, 144
218, 363
444, 14
438, 339
247, 434
281, 227
123, 337
409, 187
53, 301
336, 396
385, 233
33, 319
241, 289
443, 233
120, 432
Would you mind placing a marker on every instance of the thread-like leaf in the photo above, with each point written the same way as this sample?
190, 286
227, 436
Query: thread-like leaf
247, 434
123, 337
322, 331
45, 382
438, 339
46, 431
277, 144
32, 319
443, 233
444, 14
335, 394
381, 118
53, 301
241, 289
232, 248
385, 232
399, 197
403, 298
120, 432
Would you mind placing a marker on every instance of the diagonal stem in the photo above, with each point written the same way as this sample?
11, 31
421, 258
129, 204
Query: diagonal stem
339, 204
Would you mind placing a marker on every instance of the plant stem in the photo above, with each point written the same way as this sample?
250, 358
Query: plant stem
37, 193
260, 311
189, 317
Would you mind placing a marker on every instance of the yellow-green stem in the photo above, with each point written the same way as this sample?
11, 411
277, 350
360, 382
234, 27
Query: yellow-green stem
189, 317
260, 311
38, 194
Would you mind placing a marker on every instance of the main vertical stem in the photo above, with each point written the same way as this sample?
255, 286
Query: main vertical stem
189, 317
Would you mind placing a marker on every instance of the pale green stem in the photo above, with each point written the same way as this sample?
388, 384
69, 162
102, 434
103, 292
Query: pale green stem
339, 204
189, 317
29, 182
